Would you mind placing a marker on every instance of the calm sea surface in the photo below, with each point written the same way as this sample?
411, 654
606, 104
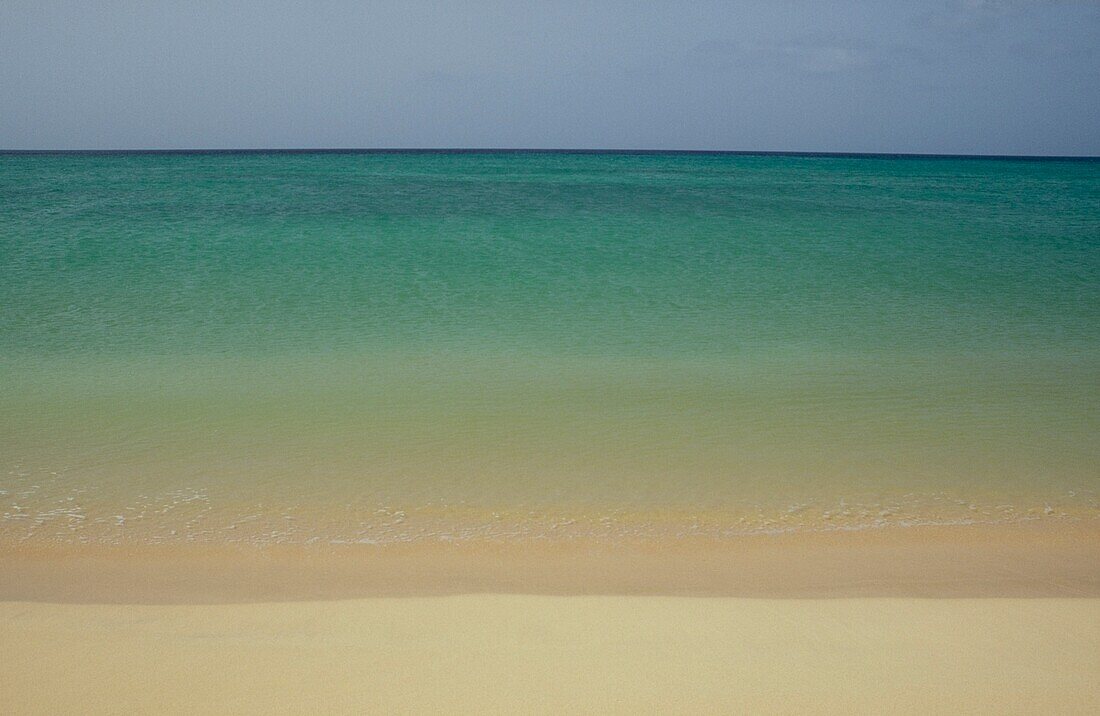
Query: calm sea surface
400, 346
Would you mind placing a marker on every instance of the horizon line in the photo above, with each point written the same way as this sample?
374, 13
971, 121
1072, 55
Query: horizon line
549, 150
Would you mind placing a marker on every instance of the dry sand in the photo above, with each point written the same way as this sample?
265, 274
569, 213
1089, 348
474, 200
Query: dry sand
908, 621
540, 654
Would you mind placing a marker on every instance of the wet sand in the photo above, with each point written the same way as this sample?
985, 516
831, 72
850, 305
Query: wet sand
1031, 559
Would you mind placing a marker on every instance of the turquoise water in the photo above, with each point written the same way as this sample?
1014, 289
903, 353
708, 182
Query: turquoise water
202, 346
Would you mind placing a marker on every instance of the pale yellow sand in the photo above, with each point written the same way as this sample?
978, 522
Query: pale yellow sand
424, 628
545, 654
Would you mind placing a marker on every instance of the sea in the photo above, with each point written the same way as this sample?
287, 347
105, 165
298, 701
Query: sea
376, 346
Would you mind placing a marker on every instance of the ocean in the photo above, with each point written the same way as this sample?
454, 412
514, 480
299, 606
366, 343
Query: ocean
392, 346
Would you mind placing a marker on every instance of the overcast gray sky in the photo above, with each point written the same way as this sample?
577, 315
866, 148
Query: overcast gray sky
965, 76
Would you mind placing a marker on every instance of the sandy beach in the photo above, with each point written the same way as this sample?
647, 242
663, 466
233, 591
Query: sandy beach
967, 619
549, 358
548, 432
538, 654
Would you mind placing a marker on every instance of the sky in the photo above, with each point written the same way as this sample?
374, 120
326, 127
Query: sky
944, 76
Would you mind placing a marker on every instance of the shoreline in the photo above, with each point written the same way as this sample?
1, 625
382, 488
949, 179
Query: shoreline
1020, 560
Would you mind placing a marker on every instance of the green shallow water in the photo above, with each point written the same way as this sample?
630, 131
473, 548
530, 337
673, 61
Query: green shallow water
384, 346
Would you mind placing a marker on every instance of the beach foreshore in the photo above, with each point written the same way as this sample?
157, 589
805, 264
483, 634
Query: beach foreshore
1027, 559
948, 619
542, 654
